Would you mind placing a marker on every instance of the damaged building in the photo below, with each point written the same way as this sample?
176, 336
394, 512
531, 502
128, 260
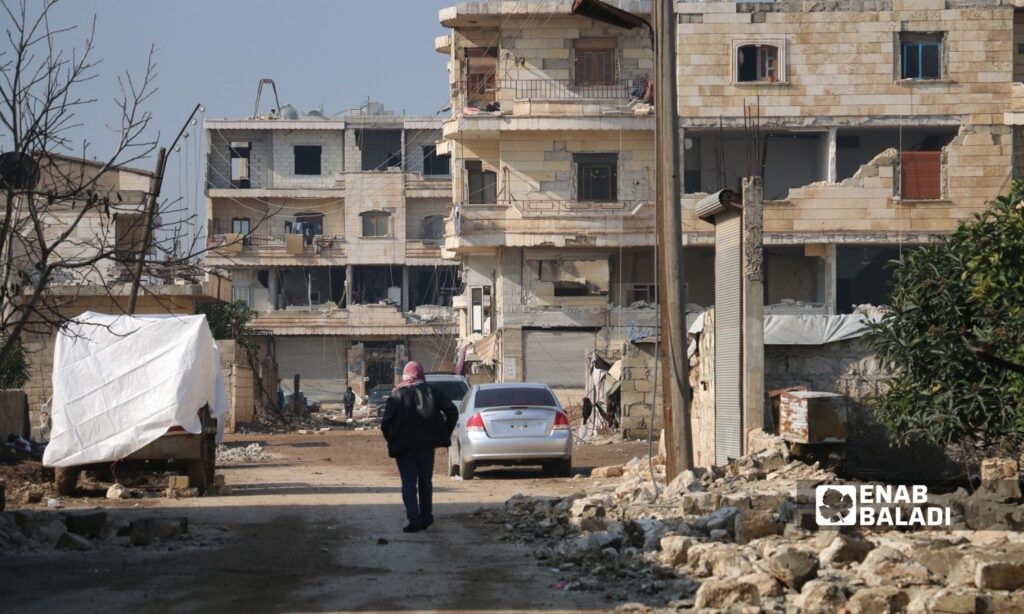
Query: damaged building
331, 228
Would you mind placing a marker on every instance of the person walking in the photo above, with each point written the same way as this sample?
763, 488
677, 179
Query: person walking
350, 401
417, 419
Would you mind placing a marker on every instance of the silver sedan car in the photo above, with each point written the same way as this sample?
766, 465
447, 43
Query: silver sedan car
511, 424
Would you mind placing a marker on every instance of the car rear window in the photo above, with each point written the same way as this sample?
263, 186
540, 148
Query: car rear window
499, 397
452, 389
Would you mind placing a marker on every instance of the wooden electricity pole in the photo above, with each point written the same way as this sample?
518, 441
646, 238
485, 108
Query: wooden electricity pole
147, 232
671, 299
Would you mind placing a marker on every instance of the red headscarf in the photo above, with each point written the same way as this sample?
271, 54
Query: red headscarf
412, 374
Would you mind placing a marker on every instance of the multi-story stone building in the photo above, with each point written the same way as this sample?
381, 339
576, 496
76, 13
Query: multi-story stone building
331, 228
551, 137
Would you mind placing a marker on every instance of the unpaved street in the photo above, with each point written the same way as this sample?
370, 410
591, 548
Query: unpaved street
306, 532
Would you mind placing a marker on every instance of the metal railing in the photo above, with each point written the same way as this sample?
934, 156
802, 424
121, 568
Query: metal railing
322, 242
568, 89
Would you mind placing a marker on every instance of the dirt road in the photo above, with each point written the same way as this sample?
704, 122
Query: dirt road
306, 533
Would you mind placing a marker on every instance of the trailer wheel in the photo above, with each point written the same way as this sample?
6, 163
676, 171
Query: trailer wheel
65, 480
201, 471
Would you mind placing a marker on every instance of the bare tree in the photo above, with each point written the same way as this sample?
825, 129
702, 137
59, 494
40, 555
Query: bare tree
70, 225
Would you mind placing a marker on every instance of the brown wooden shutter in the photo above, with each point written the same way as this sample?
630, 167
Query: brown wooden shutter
921, 175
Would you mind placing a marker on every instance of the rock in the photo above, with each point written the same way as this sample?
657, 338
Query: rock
753, 524
699, 502
983, 513
719, 519
767, 586
674, 549
939, 559
885, 566
792, 566
52, 531
89, 523
177, 481
685, 482
71, 541
1000, 479
611, 471
844, 549
1000, 575
53, 503
948, 601
718, 535
116, 491
878, 600
820, 596
726, 594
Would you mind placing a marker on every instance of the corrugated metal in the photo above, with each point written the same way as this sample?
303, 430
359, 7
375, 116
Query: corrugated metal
728, 321
321, 361
556, 358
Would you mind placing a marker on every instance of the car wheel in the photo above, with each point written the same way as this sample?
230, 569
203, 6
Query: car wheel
563, 468
466, 469
453, 467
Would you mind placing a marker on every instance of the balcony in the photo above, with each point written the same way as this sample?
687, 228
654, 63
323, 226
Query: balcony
554, 223
417, 249
551, 104
267, 250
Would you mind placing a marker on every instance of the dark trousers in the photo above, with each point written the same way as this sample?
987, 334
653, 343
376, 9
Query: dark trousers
348, 410
417, 469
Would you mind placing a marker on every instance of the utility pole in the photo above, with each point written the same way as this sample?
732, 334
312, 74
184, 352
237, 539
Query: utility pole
671, 299
151, 199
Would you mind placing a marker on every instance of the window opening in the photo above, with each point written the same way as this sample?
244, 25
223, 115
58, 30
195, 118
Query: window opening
596, 177
757, 63
307, 159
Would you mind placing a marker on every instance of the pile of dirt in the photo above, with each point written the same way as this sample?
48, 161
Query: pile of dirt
243, 455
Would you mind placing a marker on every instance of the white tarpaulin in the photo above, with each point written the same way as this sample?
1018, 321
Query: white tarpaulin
120, 382
805, 329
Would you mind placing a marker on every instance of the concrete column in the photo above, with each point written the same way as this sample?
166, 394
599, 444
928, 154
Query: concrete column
348, 285
833, 173
753, 307
272, 287
405, 288
830, 279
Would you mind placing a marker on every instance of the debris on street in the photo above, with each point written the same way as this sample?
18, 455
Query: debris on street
252, 453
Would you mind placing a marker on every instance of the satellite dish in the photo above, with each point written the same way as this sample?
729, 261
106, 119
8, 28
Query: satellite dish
18, 171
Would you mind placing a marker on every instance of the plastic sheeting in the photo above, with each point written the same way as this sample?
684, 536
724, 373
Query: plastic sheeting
120, 382
805, 329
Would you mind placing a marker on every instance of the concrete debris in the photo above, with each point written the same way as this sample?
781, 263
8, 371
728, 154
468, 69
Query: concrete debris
71, 541
744, 538
252, 453
116, 491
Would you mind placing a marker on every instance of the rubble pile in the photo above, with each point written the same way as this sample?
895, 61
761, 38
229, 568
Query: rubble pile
744, 537
252, 453
82, 530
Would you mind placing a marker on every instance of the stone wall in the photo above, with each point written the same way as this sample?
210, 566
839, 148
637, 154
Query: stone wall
640, 371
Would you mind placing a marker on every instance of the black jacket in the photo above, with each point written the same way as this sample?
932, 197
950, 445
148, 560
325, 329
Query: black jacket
418, 417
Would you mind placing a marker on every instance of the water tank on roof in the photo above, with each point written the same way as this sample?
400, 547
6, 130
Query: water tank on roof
316, 113
374, 108
289, 112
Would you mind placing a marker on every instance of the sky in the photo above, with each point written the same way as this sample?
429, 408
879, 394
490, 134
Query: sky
320, 53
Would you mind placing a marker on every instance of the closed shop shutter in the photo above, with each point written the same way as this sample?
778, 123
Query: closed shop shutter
320, 361
921, 175
556, 358
728, 357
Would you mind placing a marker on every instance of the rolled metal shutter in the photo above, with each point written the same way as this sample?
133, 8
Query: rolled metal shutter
728, 338
321, 361
556, 358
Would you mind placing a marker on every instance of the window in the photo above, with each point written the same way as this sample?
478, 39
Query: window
433, 227
921, 55
757, 63
481, 65
482, 185
241, 294
514, 396
596, 177
376, 224
240, 151
434, 164
480, 309
307, 159
921, 175
130, 231
240, 225
595, 61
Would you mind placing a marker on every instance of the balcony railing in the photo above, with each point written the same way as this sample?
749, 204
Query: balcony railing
567, 89
311, 245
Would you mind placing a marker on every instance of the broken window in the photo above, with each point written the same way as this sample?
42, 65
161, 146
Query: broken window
482, 185
921, 55
864, 275
376, 224
434, 164
562, 278
380, 149
757, 63
129, 229
794, 279
240, 153
376, 283
596, 177
433, 285
481, 66
307, 159
433, 227
595, 61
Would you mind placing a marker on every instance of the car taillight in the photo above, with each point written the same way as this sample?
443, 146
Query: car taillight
561, 421
475, 423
